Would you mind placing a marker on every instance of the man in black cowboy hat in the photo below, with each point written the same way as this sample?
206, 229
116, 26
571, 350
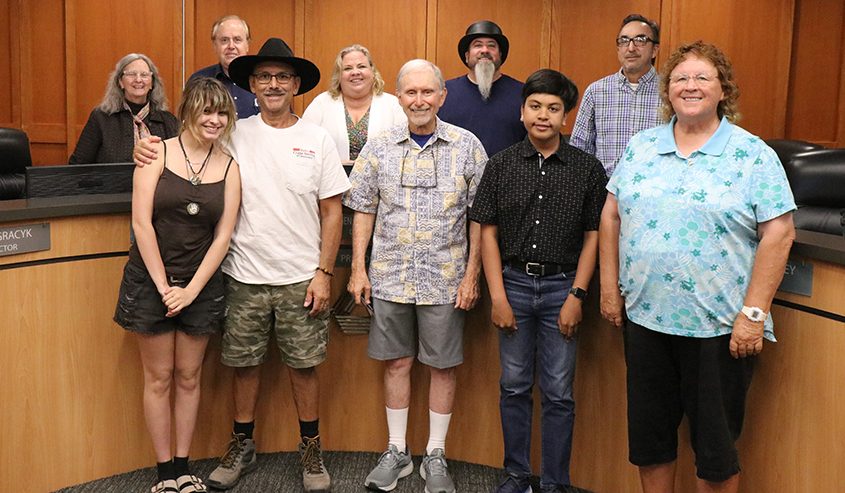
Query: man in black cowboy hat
485, 101
281, 255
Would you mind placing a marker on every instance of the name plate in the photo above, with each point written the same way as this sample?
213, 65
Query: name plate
24, 238
798, 277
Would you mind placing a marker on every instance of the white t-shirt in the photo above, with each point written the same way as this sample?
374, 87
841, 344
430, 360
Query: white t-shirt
284, 174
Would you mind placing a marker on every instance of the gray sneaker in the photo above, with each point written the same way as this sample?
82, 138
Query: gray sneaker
435, 471
391, 466
315, 477
238, 460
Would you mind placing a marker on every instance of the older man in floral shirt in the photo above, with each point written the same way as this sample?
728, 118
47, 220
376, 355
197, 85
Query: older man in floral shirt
413, 185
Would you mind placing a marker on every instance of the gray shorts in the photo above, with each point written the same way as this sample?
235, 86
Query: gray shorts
254, 310
433, 333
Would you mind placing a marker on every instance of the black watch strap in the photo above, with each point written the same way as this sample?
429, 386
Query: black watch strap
579, 293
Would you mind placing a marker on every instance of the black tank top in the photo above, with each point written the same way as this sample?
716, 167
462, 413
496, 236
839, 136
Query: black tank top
184, 218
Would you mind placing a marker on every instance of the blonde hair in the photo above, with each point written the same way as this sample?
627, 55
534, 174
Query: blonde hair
202, 93
728, 107
334, 83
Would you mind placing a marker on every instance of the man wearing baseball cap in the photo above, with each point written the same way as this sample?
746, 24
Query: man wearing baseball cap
485, 101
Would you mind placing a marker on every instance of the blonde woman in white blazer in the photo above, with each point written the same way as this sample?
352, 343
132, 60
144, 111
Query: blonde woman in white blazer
355, 106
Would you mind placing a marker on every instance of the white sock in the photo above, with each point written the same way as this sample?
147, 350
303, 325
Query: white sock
438, 426
397, 426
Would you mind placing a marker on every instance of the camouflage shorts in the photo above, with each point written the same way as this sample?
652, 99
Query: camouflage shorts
253, 310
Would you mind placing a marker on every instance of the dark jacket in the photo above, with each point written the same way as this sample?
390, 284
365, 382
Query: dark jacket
108, 138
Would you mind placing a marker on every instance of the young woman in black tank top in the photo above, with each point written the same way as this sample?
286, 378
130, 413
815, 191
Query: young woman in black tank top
184, 208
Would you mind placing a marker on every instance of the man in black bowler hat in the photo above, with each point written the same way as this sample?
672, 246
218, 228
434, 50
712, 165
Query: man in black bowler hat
485, 101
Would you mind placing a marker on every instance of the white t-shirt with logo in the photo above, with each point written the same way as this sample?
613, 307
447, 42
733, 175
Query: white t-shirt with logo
284, 174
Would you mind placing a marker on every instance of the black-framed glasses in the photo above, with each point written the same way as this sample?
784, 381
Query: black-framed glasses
639, 41
281, 77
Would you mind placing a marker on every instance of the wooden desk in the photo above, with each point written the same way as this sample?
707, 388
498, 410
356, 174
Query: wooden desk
71, 400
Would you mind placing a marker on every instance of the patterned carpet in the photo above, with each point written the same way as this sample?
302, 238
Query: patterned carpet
279, 472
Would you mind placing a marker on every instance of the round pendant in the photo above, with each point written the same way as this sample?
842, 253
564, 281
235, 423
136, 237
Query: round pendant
193, 208
196, 180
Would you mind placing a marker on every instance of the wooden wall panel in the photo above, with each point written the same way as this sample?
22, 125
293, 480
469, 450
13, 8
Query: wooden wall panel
757, 37
42, 65
523, 27
7, 95
583, 34
815, 105
391, 39
100, 33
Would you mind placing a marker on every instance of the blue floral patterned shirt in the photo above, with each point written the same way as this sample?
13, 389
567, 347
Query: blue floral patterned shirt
688, 232
420, 196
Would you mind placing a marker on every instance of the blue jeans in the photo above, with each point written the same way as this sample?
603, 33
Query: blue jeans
537, 343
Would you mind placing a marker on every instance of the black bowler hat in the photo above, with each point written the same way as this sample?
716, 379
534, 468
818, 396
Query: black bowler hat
483, 29
274, 50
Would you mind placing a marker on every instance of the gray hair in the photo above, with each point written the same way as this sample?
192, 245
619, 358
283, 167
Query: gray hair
113, 98
220, 21
417, 65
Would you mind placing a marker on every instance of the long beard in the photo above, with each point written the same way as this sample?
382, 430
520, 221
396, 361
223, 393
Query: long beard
484, 72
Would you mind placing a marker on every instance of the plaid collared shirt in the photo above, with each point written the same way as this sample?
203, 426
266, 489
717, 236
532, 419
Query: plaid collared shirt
612, 112
420, 196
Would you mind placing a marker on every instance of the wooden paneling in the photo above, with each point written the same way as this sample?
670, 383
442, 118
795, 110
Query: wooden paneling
42, 67
584, 49
7, 95
391, 39
817, 76
522, 26
756, 35
791, 81
153, 28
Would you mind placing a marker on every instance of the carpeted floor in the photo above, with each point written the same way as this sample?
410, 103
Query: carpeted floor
279, 472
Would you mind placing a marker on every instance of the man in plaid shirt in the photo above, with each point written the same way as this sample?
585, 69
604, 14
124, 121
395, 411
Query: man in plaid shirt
618, 106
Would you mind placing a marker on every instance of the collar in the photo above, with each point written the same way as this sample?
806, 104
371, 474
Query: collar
646, 78
527, 149
442, 131
714, 146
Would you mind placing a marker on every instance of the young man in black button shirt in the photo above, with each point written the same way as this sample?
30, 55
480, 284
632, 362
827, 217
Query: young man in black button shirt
539, 204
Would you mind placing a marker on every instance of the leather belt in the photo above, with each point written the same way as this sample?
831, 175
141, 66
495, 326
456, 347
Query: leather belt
541, 270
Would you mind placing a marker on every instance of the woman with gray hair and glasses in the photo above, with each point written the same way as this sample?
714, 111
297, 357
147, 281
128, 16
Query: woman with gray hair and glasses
133, 107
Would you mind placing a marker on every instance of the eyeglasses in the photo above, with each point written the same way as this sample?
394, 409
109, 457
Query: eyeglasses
281, 77
639, 41
698, 79
138, 75
417, 171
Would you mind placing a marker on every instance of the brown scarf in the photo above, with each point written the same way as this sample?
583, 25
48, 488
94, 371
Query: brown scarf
141, 129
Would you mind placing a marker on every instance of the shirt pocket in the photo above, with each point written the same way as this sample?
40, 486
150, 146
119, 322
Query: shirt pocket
302, 177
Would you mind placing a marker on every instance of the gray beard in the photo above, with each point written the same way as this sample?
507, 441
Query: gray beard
484, 72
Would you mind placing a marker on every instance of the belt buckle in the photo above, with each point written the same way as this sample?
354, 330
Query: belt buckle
534, 269
174, 280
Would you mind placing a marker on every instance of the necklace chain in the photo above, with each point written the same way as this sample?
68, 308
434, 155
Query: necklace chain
195, 177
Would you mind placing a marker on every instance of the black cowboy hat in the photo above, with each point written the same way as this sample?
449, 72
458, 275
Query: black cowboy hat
274, 50
483, 29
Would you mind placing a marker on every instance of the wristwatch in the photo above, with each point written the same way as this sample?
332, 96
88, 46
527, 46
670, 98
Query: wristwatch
579, 293
754, 313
